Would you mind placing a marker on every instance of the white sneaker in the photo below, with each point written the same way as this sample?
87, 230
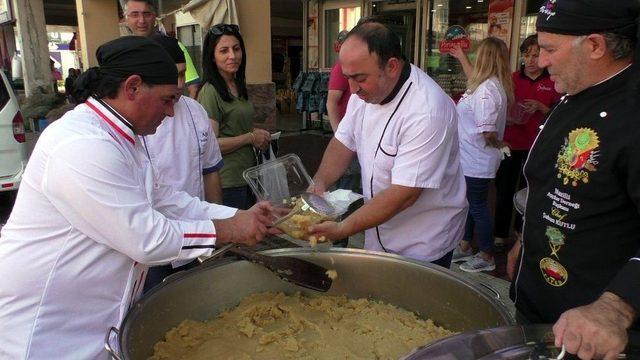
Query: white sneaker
460, 255
478, 264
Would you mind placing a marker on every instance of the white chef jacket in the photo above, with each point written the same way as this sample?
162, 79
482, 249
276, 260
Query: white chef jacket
88, 219
484, 110
184, 148
419, 148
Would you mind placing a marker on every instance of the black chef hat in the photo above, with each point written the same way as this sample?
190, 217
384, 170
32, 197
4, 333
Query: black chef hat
137, 55
583, 17
170, 45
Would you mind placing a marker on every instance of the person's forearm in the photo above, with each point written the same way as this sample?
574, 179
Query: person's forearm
381, 208
192, 90
467, 66
335, 161
212, 188
231, 144
334, 115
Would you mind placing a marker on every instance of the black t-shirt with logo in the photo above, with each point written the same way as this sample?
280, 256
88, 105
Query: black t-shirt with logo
582, 222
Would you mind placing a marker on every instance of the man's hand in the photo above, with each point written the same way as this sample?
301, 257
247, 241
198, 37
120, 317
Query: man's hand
329, 229
317, 188
512, 258
246, 227
597, 330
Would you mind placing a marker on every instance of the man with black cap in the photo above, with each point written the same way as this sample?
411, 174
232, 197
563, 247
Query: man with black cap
580, 256
91, 216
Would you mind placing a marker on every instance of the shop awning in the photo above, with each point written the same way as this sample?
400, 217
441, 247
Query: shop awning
211, 12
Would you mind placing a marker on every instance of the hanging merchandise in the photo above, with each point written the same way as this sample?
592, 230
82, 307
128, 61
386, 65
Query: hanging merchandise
311, 88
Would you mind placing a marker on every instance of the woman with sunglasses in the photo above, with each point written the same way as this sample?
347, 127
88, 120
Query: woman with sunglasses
224, 96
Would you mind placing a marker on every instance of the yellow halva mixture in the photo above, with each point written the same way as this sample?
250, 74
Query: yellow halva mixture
279, 326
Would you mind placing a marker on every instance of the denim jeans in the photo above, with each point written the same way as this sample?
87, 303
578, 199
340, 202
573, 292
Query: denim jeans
479, 218
239, 197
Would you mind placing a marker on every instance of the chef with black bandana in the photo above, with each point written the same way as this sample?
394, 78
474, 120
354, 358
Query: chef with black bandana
91, 216
580, 256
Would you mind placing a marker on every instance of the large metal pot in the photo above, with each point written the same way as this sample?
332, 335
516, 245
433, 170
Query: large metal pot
204, 292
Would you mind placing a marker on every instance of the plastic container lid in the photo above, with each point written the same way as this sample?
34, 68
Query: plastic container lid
278, 180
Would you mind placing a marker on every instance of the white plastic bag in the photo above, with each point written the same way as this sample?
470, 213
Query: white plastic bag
341, 199
273, 178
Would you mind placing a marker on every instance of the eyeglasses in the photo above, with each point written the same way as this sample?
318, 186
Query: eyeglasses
222, 29
138, 14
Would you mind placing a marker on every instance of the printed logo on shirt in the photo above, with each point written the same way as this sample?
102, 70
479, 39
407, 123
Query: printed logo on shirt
541, 87
578, 156
204, 139
553, 272
556, 240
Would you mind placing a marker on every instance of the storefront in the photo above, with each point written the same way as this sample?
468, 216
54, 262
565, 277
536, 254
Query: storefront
422, 25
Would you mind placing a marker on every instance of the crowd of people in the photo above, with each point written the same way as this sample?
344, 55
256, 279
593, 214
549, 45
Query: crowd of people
138, 179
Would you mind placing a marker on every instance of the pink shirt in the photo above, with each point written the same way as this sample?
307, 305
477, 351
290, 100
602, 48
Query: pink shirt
337, 81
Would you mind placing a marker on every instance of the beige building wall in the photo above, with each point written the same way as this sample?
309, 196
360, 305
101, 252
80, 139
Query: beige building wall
97, 24
255, 26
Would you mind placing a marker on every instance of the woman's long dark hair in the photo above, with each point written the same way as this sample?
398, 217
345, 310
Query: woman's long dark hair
210, 71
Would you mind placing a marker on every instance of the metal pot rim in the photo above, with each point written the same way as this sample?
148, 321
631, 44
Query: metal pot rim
484, 292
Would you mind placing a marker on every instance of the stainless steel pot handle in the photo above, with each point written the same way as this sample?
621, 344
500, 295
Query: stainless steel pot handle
107, 343
491, 290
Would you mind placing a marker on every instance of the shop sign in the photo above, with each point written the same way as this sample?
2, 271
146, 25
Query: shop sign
455, 35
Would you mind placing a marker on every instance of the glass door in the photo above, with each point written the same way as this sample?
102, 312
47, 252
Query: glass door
336, 20
470, 15
400, 15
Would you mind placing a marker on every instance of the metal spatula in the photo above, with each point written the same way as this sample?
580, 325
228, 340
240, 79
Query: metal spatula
293, 270
310, 201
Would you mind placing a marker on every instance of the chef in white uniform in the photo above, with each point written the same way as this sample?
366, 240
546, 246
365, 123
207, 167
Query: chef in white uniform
184, 153
90, 215
184, 149
403, 128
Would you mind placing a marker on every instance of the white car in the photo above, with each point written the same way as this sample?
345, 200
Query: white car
13, 147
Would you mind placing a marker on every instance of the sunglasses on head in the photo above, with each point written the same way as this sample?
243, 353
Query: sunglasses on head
222, 29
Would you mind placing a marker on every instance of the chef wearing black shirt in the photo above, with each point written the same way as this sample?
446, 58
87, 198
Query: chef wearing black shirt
580, 257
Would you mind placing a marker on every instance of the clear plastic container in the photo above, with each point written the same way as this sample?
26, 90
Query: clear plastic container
277, 181
281, 182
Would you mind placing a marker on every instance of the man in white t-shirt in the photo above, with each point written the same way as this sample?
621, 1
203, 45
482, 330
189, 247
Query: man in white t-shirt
403, 128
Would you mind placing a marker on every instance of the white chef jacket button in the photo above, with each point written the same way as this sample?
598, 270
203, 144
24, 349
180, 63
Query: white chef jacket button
603, 114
